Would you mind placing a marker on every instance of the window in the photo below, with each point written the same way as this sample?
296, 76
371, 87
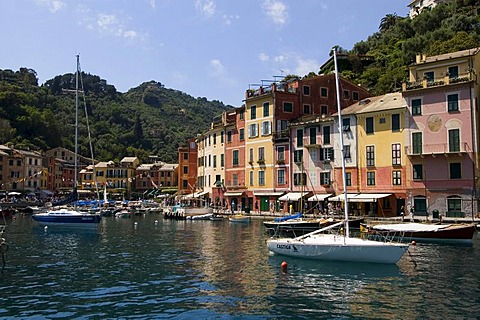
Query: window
455, 170
453, 72
382, 120
235, 158
454, 204
242, 114
251, 178
346, 124
452, 101
369, 125
355, 96
326, 154
214, 138
323, 92
266, 109
266, 128
416, 107
323, 109
214, 161
185, 156
253, 112
395, 122
454, 140
253, 130
241, 134
299, 138
306, 109
396, 154
229, 136
283, 125
420, 204
370, 156
397, 178
235, 179
417, 172
185, 169
325, 178
261, 154
221, 137
299, 179
250, 159
348, 179
313, 135
298, 156
222, 160
281, 153
185, 184
281, 176
370, 178
326, 134
346, 152
306, 90
417, 142
261, 178
429, 76
288, 107
346, 94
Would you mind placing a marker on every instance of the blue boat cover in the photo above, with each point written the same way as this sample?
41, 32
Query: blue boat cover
293, 216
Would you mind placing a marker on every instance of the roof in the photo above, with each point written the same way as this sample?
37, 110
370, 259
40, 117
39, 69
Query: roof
448, 56
385, 102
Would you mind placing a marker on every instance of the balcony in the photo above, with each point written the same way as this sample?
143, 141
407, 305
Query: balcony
283, 135
274, 87
436, 149
437, 82
310, 143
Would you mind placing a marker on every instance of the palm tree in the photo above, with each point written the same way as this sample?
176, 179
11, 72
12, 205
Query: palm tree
388, 21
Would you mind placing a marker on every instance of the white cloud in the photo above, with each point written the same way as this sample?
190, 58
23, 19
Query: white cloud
52, 5
206, 7
152, 3
217, 68
305, 66
263, 57
228, 19
276, 10
281, 58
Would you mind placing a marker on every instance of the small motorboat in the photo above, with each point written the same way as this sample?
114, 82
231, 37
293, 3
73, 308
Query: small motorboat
239, 218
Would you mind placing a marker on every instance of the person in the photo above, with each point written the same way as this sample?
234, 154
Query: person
291, 209
256, 206
402, 213
272, 207
233, 207
412, 210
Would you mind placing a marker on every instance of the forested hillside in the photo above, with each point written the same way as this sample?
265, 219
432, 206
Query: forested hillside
145, 121
154, 120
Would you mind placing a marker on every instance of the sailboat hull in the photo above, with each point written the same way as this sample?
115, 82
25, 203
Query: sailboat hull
67, 218
339, 248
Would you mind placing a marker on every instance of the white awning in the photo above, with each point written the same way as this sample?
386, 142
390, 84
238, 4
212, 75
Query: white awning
195, 195
232, 194
319, 197
292, 196
368, 197
267, 193
341, 197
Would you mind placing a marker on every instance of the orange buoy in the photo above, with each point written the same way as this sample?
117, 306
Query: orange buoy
284, 265
414, 243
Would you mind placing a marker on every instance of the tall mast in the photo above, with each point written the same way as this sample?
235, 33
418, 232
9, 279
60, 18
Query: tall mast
76, 123
344, 173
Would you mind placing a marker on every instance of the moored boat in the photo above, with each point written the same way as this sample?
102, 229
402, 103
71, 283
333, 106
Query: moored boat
424, 232
239, 218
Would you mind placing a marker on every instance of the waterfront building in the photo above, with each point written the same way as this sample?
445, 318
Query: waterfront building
14, 179
235, 178
187, 169
374, 139
417, 6
443, 131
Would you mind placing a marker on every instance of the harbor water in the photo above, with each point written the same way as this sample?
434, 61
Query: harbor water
151, 268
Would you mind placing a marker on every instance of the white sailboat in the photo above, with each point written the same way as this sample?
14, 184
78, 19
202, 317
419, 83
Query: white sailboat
339, 247
70, 217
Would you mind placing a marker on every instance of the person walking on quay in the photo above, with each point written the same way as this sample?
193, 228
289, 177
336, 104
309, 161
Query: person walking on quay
256, 207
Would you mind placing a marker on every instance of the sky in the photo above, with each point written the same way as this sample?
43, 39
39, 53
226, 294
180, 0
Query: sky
214, 49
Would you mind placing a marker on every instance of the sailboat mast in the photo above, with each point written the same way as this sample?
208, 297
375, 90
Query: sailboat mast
340, 122
75, 179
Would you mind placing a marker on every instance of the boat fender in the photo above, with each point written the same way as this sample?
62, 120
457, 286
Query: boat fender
284, 266
414, 243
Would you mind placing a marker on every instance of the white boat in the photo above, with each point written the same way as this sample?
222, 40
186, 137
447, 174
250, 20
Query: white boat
206, 216
70, 217
340, 247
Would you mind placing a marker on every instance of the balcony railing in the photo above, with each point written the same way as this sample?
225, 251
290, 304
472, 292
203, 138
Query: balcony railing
434, 149
425, 83
283, 134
